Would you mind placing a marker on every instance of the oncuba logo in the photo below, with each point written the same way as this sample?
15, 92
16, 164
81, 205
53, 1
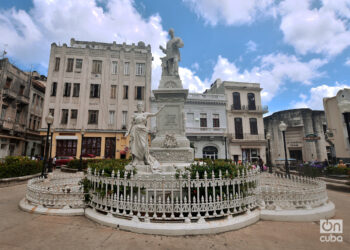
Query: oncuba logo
332, 229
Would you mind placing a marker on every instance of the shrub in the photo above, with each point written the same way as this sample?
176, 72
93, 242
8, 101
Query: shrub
15, 166
334, 170
108, 165
75, 164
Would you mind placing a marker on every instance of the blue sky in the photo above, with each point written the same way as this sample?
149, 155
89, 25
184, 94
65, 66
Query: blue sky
298, 50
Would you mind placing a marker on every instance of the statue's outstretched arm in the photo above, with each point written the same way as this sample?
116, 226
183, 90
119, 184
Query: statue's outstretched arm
155, 114
130, 127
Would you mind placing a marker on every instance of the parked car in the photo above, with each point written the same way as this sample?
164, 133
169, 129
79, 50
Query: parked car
88, 156
63, 160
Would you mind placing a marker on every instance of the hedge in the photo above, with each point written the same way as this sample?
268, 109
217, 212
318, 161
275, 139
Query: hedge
15, 166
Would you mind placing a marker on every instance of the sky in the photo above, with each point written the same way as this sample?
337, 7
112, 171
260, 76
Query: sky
298, 50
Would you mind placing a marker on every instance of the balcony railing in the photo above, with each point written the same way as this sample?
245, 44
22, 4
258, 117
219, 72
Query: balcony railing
259, 108
247, 136
199, 130
9, 93
23, 99
199, 96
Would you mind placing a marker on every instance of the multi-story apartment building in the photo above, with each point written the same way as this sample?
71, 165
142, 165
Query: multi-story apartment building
205, 124
305, 136
14, 102
337, 111
244, 115
94, 87
34, 145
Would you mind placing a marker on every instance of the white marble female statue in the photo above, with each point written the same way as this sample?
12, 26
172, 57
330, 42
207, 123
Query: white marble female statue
139, 139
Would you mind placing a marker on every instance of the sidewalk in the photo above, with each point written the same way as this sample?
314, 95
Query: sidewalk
21, 230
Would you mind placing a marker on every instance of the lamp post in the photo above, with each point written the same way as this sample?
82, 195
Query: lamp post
49, 121
268, 137
50, 156
81, 150
283, 128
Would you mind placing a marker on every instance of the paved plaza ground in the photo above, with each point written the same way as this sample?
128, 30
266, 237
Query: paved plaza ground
21, 230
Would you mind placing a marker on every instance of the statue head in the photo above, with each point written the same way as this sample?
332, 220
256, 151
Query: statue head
139, 106
171, 33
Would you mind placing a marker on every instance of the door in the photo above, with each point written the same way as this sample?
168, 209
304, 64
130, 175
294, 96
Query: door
110, 147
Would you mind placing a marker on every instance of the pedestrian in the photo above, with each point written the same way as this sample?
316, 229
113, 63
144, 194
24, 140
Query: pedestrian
261, 164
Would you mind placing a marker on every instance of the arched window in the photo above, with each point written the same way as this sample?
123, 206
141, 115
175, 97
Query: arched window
210, 152
251, 101
236, 101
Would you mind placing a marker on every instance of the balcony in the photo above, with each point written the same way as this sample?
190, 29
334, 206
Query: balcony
245, 108
197, 130
247, 137
22, 100
9, 94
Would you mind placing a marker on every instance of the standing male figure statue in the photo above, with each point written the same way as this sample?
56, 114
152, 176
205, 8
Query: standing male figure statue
170, 63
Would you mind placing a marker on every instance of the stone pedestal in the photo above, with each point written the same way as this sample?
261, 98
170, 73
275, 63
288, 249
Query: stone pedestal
171, 147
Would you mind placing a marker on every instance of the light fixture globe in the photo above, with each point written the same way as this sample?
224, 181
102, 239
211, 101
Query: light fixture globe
49, 119
268, 136
282, 126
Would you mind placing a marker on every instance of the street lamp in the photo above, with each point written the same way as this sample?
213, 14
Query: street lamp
50, 157
49, 121
268, 137
81, 150
283, 128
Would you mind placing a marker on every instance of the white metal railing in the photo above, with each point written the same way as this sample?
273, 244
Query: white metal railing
61, 191
144, 198
280, 192
205, 130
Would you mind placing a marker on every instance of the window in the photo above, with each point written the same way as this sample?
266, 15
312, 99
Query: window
66, 147
253, 126
110, 147
111, 117
67, 87
74, 114
114, 67
251, 101
95, 91
347, 124
39, 121
236, 101
203, 120
3, 112
33, 100
125, 92
216, 121
125, 115
113, 91
140, 69
91, 145
238, 128
210, 152
126, 68
30, 121
8, 83
53, 89
96, 67
76, 89
70, 64
139, 93
78, 64
52, 112
64, 118
34, 123
18, 114
93, 117
57, 63
21, 90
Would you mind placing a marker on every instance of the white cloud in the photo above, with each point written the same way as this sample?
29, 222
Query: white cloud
195, 66
316, 95
191, 81
251, 46
272, 72
347, 62
318, 30
341, 7
29, 34
231, 12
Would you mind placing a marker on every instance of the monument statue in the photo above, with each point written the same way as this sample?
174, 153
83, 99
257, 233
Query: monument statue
170, 63
139, 139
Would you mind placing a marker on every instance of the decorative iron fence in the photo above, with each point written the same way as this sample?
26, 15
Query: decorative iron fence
280, 192
169, 198
61, 191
